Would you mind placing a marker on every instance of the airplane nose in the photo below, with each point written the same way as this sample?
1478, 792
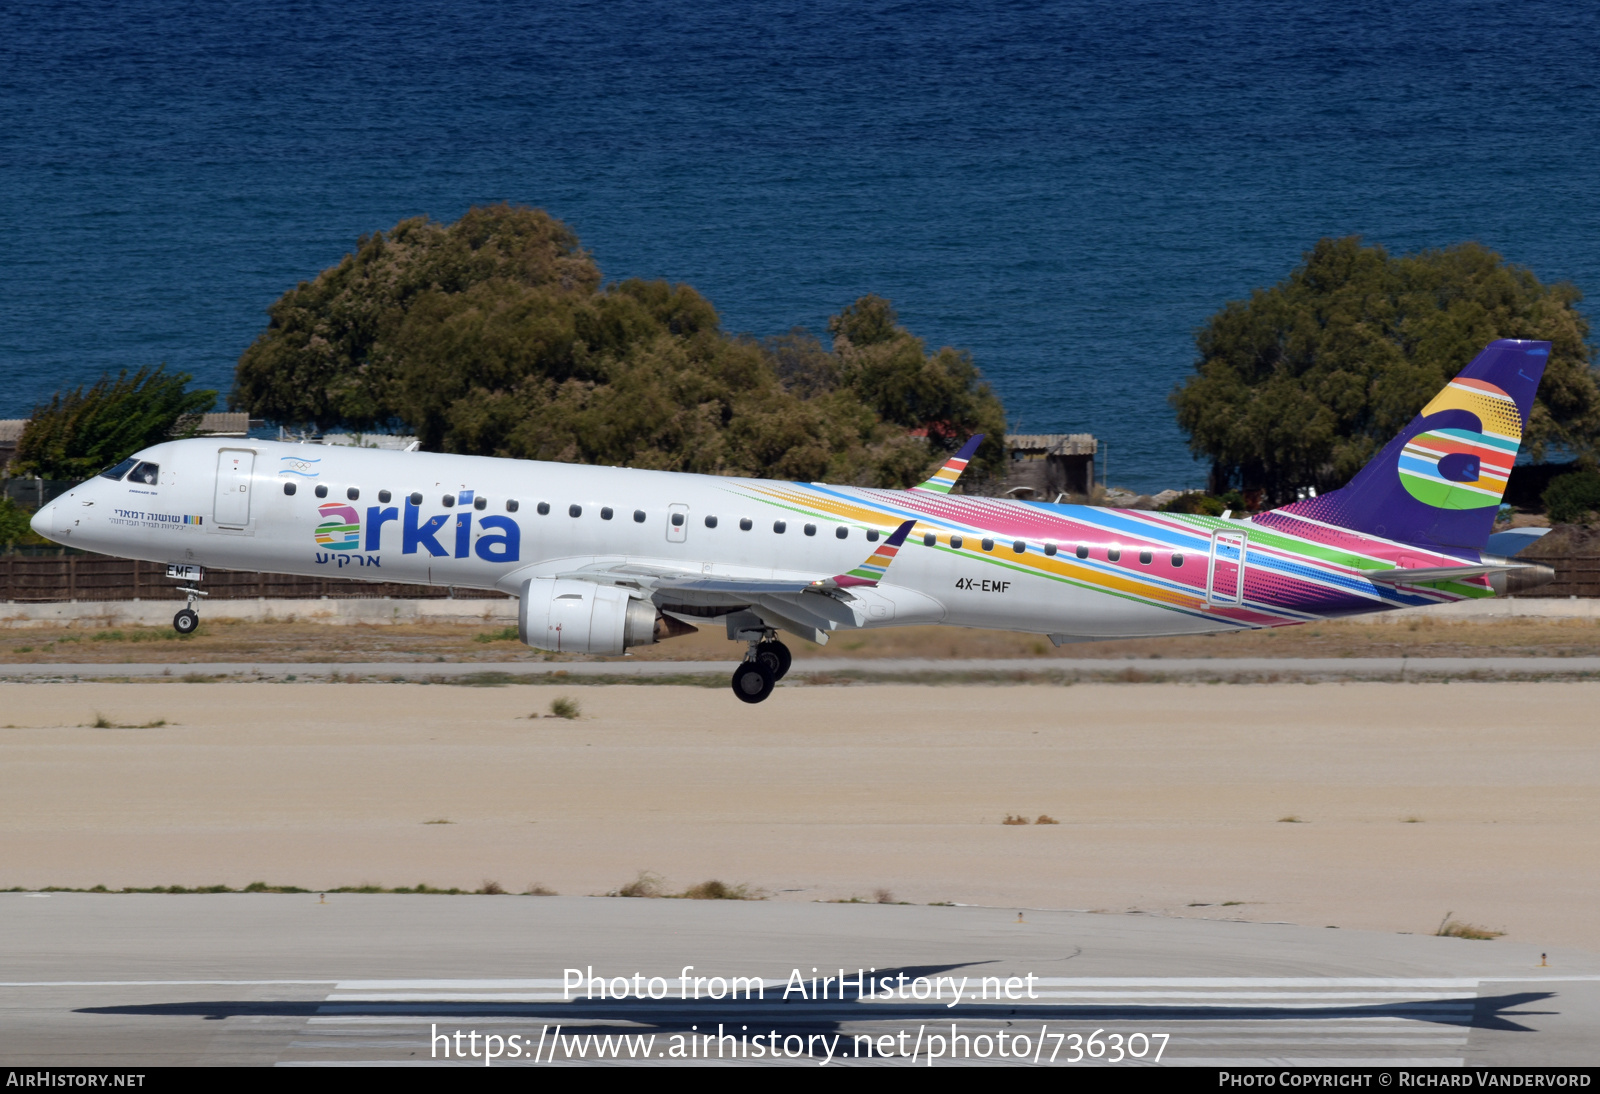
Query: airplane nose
44, 521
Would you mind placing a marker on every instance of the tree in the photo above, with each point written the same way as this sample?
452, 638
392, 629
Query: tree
494, 336
1303, 383
84, 431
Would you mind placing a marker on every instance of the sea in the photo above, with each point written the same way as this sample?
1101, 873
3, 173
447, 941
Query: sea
1065, 189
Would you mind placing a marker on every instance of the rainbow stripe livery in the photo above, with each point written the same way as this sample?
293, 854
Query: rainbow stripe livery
944, 478
870, 572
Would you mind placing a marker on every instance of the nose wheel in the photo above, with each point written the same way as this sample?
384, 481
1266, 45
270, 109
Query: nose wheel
188, 619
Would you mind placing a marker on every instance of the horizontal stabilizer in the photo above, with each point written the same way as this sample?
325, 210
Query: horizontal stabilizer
1424, 575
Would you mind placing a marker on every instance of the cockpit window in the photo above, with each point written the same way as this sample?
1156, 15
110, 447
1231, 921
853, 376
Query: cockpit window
115, 473
147, 473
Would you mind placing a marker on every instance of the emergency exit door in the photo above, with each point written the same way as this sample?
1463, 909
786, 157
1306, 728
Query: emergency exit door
235, 466
1225, 570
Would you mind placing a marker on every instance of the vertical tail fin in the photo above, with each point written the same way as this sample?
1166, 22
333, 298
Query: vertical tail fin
1440, 481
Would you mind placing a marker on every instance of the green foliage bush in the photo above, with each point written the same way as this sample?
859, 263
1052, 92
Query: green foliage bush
84, 431
1304, 382
14, 526
1570, 498
495, 336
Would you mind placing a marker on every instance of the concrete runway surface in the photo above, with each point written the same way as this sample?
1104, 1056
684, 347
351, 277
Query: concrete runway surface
134, 980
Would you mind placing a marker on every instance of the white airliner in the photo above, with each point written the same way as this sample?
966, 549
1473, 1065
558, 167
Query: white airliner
604, 558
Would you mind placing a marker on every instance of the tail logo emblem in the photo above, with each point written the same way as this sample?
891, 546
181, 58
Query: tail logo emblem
1460, 468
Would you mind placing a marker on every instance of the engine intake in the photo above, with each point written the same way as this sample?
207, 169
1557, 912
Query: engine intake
570, 616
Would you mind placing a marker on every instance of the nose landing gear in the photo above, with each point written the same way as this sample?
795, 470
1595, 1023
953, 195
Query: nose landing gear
188, 619
766, 663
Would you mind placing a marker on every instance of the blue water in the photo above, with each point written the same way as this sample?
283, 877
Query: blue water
1066, 189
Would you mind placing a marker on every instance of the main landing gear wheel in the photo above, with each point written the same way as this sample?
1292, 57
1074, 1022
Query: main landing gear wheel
776, 656
753, 681
186, 621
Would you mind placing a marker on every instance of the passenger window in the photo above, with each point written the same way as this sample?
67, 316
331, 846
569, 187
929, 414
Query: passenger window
711, 522
1114, 553
543, 509
1144, 558
574, 510
987, 543
288, 488
745, 524
605, 513
147, 473
353, 494
480, 502
842, 532
929, 539
780, 526
1019, 546
512, 505
638, 516
956, 542
1082, 551
872, 535
415, 499
121, 469
1177, 560
384, 496
1050, 550
448, 501
321, 490
677, 520
811, 529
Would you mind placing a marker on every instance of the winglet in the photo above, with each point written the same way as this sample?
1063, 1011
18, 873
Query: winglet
871, 571
944, 478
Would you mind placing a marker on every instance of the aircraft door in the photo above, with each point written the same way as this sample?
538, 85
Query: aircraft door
677, 522
235, 466
1225, 570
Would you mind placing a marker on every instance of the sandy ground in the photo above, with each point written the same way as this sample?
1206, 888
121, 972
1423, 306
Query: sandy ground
1412, 800
224, 640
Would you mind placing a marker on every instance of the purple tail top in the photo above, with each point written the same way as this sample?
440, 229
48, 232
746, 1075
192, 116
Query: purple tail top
1439, 483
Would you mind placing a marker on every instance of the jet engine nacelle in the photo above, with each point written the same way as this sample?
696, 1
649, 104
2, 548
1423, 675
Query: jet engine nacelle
581, 617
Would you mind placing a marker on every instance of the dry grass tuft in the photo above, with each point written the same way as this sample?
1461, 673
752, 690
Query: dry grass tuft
563, 707
1292, 818
716, 890
1454, 928
1045, 818
439, 820
1014, 818
883, 896
646, 886
538, 890
490, 888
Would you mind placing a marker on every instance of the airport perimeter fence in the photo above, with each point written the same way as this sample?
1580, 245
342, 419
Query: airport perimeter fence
41, 579
45, 578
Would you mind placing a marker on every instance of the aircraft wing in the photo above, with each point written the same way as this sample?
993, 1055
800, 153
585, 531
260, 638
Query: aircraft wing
809, 607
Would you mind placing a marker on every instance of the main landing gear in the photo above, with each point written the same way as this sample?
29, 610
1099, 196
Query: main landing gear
766, 663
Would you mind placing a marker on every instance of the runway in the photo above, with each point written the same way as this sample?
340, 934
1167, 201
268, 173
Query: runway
813, 669
135, 981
